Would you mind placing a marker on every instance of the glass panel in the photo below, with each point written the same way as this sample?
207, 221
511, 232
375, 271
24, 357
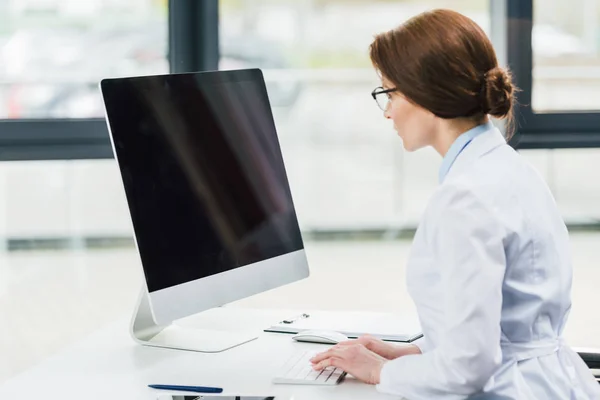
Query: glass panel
53, 53
57, 204
346, 166
566, 55
574, 178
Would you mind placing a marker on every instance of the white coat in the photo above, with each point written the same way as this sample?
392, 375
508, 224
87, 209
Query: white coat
490, 274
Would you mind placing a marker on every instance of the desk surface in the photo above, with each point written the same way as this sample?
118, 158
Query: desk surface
110, 365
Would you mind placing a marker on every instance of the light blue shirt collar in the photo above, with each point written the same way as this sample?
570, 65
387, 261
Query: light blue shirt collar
459, 145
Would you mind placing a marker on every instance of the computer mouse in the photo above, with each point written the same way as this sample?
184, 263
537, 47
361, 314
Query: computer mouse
316, 336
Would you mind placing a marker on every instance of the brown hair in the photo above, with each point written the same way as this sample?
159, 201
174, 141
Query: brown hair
443, 61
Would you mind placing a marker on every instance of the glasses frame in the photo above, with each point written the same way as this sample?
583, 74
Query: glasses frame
380, 90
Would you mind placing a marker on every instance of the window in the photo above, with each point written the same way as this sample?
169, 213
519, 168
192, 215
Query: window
573, 176
566, 55
54, 53
346, 166
63, 203
552, 48
52, 120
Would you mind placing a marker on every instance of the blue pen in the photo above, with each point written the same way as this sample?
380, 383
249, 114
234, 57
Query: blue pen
197, 389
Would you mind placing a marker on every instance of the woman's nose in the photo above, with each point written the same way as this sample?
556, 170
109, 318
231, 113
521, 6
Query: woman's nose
386, 114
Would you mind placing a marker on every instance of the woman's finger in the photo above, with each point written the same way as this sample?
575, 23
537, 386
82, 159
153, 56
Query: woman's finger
347, 342
332, 352
329, 362
321, 356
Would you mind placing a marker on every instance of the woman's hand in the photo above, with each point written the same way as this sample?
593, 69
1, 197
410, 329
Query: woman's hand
355, 359
389, 351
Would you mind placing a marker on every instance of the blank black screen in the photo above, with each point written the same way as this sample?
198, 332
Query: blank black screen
202, 171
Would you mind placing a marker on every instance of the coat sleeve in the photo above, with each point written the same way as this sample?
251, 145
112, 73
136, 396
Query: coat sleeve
467, 240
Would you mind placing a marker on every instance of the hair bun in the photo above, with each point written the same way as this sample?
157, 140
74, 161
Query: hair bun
498, 93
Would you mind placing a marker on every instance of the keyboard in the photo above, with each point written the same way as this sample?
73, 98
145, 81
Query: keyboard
298, 370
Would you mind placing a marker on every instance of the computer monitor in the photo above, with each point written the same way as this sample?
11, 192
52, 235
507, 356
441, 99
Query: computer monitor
205, 182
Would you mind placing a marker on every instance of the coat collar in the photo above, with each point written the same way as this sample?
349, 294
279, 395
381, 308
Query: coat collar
479, 146
459, 145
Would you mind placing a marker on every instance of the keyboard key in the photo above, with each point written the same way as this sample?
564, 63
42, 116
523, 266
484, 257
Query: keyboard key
298, 370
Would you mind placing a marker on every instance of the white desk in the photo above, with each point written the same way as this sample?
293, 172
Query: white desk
109, 365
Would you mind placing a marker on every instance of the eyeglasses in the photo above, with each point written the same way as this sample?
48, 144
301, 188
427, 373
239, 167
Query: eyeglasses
382, 97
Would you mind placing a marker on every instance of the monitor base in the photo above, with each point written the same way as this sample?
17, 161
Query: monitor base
146, 332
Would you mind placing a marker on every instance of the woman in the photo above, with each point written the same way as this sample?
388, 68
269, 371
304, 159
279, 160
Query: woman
490, 268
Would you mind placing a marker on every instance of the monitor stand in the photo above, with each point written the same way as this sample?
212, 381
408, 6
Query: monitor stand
146, 332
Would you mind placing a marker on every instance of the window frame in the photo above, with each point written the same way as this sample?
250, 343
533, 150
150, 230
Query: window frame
193, 46
512, 24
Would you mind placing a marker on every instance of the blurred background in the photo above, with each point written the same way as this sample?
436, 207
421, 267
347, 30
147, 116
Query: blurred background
63, 222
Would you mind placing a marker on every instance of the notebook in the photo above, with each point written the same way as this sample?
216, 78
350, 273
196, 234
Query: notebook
385, 326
